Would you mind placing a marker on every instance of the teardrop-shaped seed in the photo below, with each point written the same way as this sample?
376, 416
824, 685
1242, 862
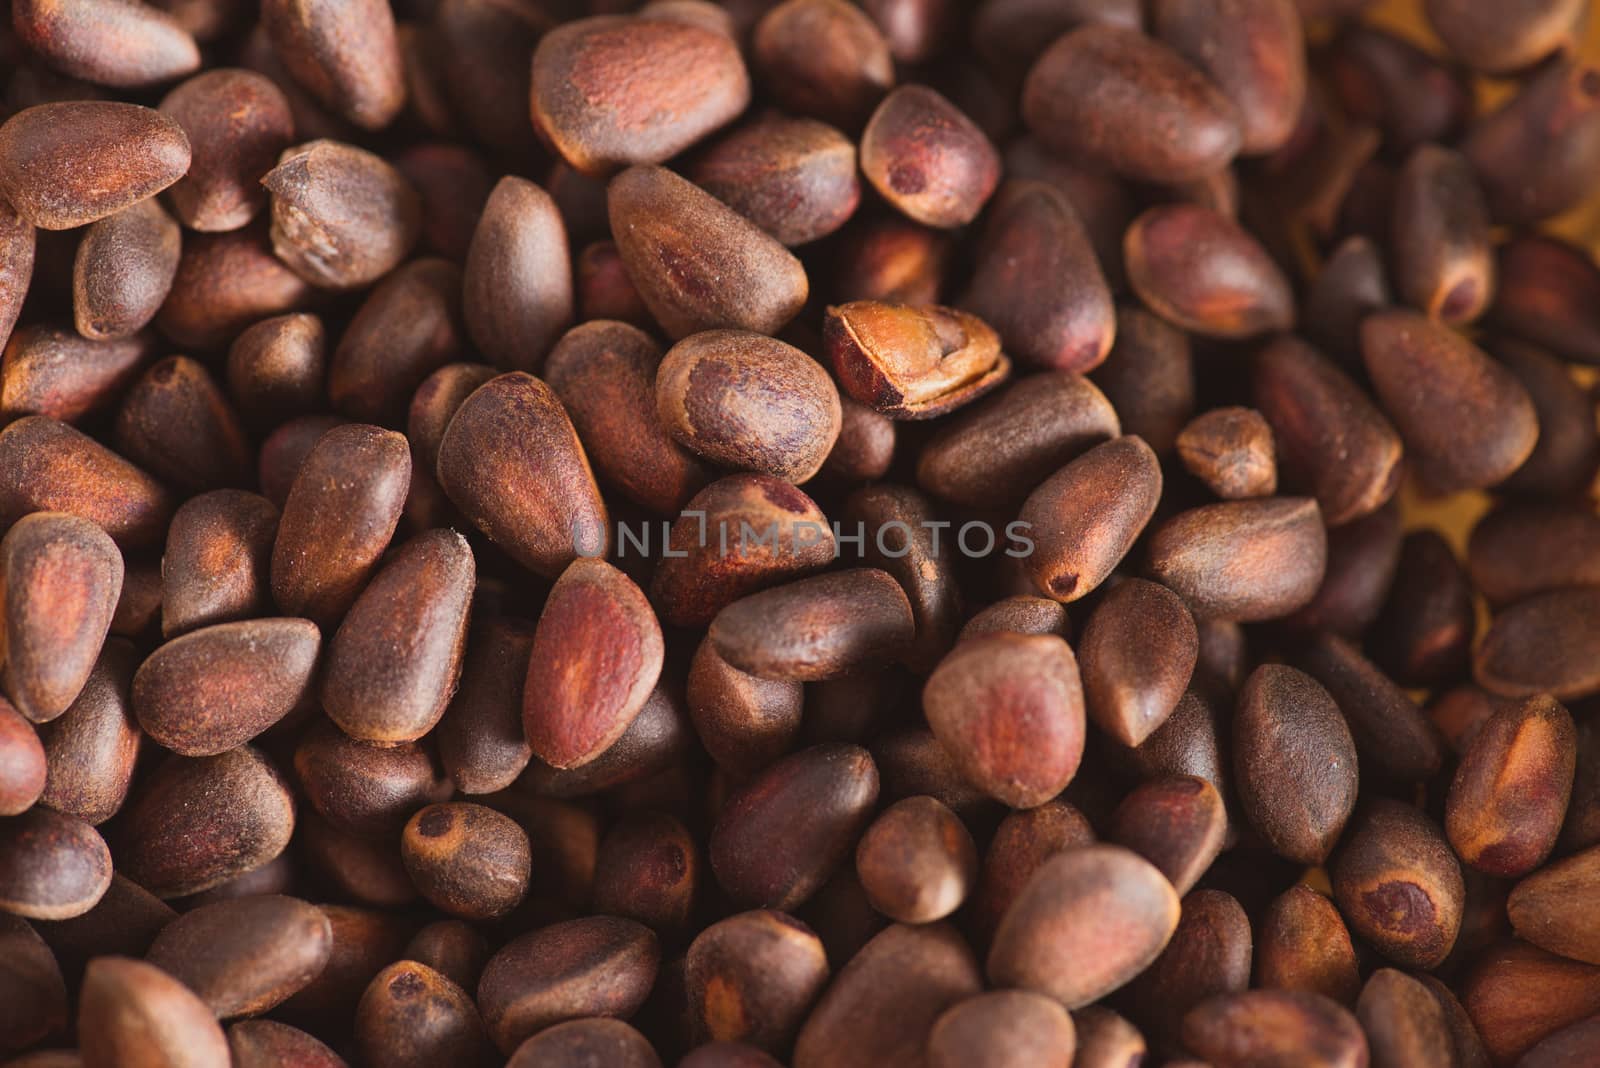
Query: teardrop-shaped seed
468, 860
1275, 1029
697, 263
395, 659
225, 283
1178, 823
883, 1004
512, 462
616, 90
23, 763
1549, 294
916, 861
1392, 735
1087, 922
1083, 520
1202, 271
1137, 654
816, 628
52, 867
60, 373
1302, 943
1548, 643
47, 466
740, 534
605, 374
411, 1015
1149, 376
1510, 793
1114, 97
1332, 440
1009, 710
244, 956
406, 329
125, 46
176, 423
1554, 907
341, 217
123, 271
338, 519
1399, 885
1294, 763
1534, 155
200, 821
1003, 1029
481, 740
994, 454
60, 577
217, 563
133, 1012
1209, 955
1467, 420
794, 178
1444, 266
1518, 995
517, 282
597, 966
744, 722
1245, 560
752, 977
780, 837
1504, 38
927, 158
220, 686
68, 164
748, 402
92, 746
1567, 454
344, 51
1254, 50
596, 656
1405, 1023
237, 122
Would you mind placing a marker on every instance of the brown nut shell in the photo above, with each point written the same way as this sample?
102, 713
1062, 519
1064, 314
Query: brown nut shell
748, 402
1399, 885
133, 1012
1085, 518
1510, 793
821, 798
1104, 909
611, 91
1112, 96
596, 656
912, 363
237, 122
52, 867
341, 511
697, 263
68, 164
883, 1004
244, 956
60, 576
393, 663
1009, 710
512, 462
201, 821
212, 689
467, 859
598, 966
